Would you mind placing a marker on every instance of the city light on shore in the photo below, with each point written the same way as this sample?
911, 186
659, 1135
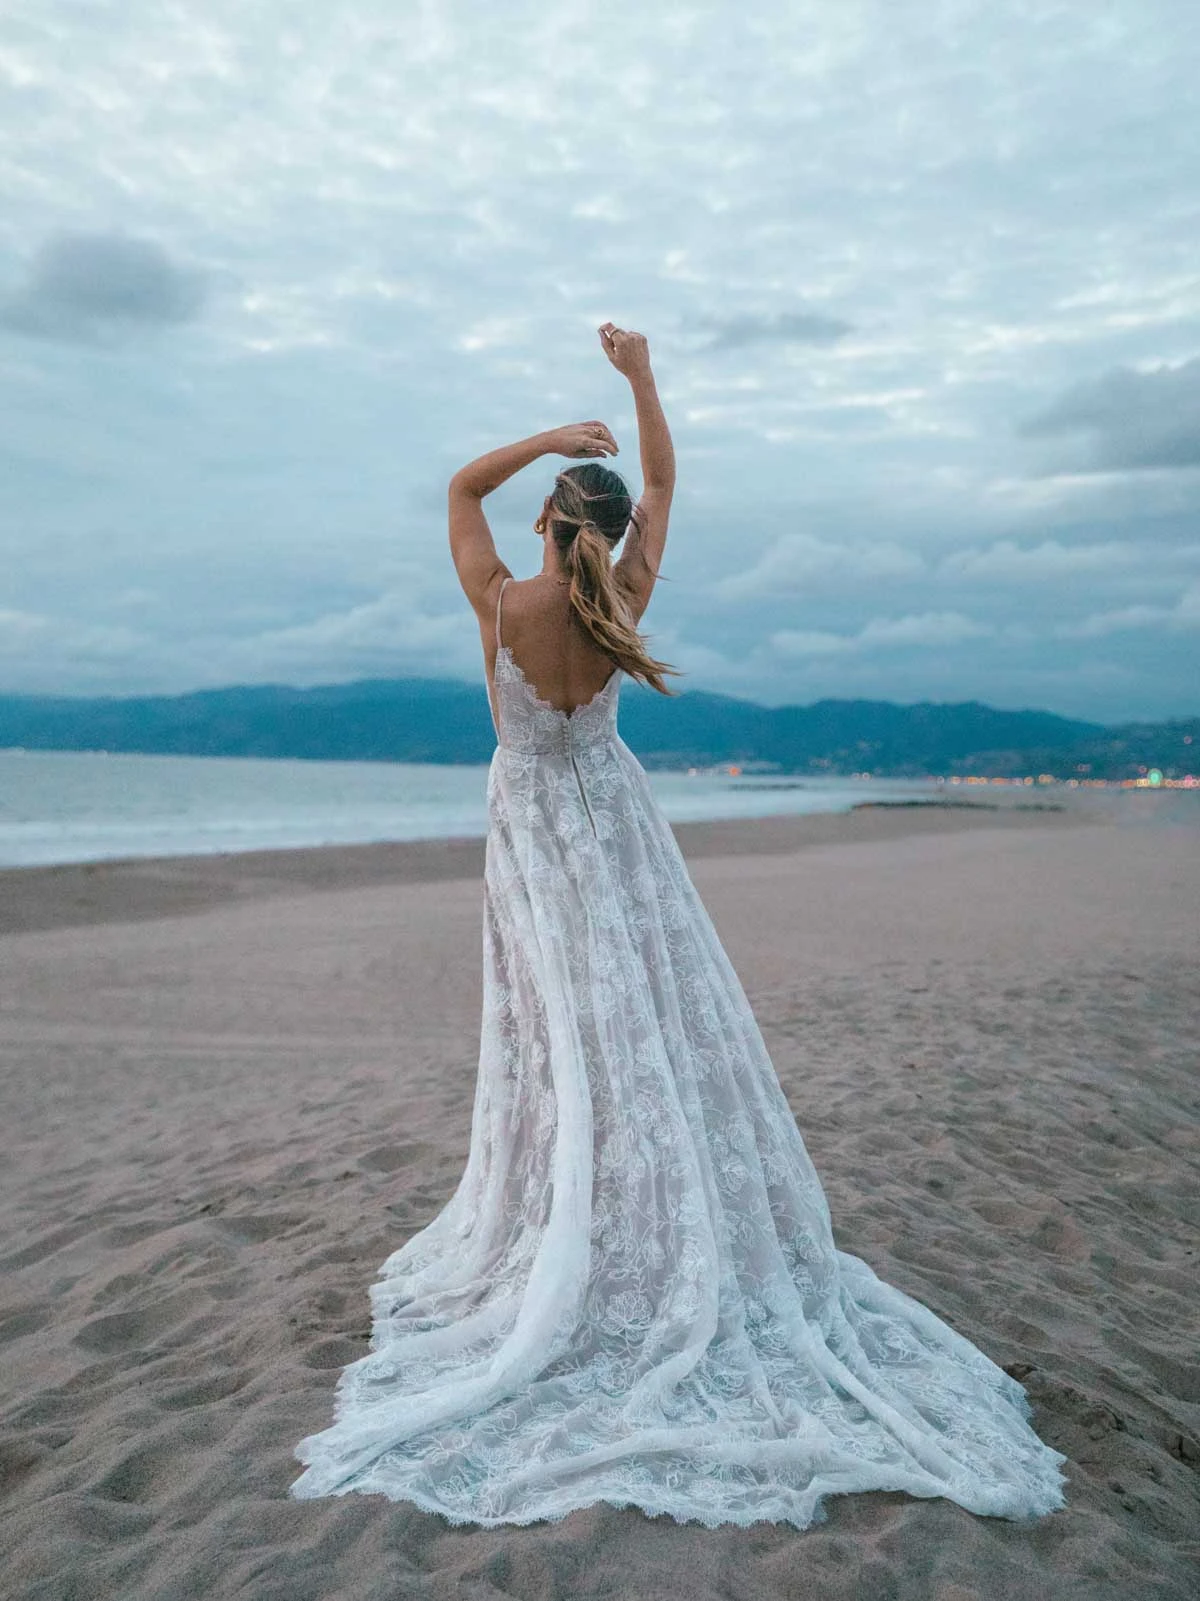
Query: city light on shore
1154, 779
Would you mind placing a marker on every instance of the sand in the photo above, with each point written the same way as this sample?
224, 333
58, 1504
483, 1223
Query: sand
233, 1085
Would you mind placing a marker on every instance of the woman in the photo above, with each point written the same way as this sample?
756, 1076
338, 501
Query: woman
634, 1296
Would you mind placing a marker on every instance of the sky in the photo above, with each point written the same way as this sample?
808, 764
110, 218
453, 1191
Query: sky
920, 282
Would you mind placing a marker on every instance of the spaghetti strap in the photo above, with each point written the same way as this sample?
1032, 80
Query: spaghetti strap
499, 598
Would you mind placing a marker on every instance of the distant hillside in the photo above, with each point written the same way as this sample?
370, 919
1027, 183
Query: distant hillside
442, 720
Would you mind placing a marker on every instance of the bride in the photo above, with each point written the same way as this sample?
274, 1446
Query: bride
634, 1295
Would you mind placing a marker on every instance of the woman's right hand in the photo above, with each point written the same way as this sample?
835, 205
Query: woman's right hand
628, 352
580, 439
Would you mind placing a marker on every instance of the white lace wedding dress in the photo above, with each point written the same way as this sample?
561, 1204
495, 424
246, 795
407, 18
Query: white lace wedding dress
634, 1295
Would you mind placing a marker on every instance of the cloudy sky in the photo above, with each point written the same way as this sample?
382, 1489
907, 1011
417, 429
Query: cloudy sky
920, 281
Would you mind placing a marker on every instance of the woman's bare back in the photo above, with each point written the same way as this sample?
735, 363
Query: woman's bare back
544, 637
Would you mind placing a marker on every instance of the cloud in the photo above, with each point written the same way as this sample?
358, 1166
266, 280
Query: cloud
389, 635
1134, 419
923, 629
84, 285
1184, 614
796, 562
810, 642
1100, 624
1007, 562
777, 328
26, 636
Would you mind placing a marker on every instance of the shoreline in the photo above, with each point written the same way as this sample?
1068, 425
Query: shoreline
137, 888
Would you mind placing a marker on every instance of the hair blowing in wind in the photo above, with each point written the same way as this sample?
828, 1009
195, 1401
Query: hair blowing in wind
590, 510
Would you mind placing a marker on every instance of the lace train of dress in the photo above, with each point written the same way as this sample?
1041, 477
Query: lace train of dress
634, 1295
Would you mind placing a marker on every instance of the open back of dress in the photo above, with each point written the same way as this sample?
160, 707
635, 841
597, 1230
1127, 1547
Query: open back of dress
634, 1295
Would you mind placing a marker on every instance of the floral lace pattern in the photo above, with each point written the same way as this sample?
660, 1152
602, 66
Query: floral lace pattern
634, 1294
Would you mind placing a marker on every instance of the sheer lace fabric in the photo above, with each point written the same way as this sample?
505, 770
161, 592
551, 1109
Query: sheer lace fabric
634, 1295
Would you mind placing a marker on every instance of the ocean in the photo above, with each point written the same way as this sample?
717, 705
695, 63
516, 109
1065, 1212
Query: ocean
79, 806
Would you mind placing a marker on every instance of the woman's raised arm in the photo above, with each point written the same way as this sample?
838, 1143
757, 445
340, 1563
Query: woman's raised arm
479, 568
639, 562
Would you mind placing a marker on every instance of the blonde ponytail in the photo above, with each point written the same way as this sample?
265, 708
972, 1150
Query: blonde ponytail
596, 596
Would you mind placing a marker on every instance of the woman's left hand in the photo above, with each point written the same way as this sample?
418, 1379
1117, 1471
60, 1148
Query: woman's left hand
582, 439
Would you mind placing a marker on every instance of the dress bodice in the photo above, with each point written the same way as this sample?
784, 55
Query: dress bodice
528, 724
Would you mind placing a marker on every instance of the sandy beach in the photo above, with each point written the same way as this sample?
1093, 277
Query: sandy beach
232, 1085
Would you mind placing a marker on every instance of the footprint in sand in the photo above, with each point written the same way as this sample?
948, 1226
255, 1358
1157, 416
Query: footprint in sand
203, 1392
152, 1470
143, 1326
391, 1158
18, 1459
334, 1353
38, 1250
252, 1228
15, 1325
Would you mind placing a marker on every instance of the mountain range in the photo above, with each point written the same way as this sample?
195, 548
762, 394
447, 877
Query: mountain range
445, 720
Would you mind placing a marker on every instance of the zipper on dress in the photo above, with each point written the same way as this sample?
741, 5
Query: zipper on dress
582, 792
